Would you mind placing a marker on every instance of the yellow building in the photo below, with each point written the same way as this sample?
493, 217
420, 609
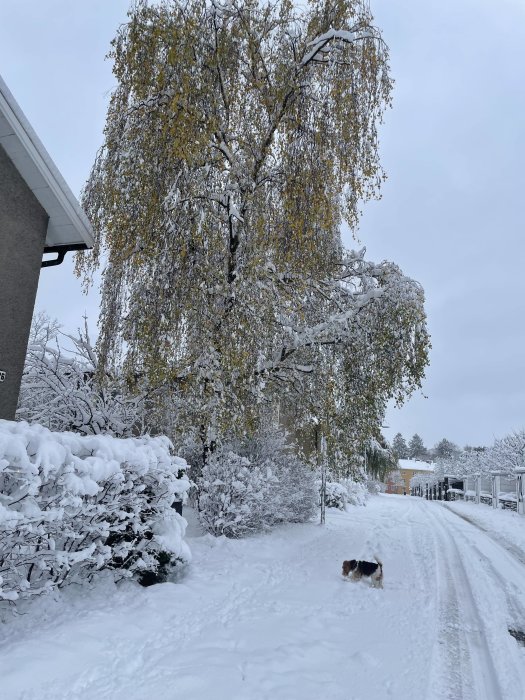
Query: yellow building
399, 480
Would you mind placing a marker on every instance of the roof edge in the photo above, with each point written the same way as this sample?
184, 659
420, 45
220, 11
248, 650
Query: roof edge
44, 164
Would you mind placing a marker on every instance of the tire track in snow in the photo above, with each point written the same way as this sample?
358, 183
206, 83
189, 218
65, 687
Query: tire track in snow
465, 660
516, 552
511, 591
495, 556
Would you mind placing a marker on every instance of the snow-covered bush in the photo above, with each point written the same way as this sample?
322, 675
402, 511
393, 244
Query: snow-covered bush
71, 505
357, 492
235, 496
345, 492
256, 485
296, 496
374, 486
336, 495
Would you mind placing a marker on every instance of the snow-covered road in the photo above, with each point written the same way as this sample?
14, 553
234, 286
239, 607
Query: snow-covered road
271, 617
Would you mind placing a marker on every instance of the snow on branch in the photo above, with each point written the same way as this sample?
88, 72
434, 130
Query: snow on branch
320, 45
60, 389
349, 298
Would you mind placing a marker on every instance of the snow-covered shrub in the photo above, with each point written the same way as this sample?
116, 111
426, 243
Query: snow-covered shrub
341, 493
253, 485
60, 389
71, 505
357, 492
374, 486
336, 495
296, 495
234, 495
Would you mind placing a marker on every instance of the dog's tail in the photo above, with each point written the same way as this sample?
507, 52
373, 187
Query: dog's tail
380, 563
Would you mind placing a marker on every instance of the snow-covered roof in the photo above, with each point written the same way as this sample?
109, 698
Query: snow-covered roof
68, 225
415, 464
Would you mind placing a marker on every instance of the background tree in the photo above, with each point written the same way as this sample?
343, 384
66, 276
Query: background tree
399, 447
380, 459
445, 449
416, 448
507, 454
238, 140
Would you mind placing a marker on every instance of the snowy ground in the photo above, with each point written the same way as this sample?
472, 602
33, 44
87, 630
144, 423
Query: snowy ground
271, 617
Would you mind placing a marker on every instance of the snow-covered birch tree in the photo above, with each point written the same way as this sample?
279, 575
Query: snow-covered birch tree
239, 138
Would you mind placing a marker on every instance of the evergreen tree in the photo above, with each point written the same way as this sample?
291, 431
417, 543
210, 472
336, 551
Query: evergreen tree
416, 448
445, 449
399, 447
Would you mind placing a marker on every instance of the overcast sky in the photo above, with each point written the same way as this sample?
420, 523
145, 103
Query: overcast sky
452, 209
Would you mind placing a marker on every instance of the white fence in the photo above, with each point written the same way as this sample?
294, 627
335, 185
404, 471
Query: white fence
498, 489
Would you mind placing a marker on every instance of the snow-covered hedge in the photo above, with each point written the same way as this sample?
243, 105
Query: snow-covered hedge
71, 505
239, 495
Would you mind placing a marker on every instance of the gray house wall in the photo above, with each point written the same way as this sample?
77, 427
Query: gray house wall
23, 225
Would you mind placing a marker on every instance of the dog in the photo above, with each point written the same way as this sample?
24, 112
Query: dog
367, 569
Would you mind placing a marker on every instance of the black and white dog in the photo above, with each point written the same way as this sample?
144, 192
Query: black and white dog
367, 569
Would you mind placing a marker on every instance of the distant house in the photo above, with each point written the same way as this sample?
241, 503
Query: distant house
38, 214
399, 481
